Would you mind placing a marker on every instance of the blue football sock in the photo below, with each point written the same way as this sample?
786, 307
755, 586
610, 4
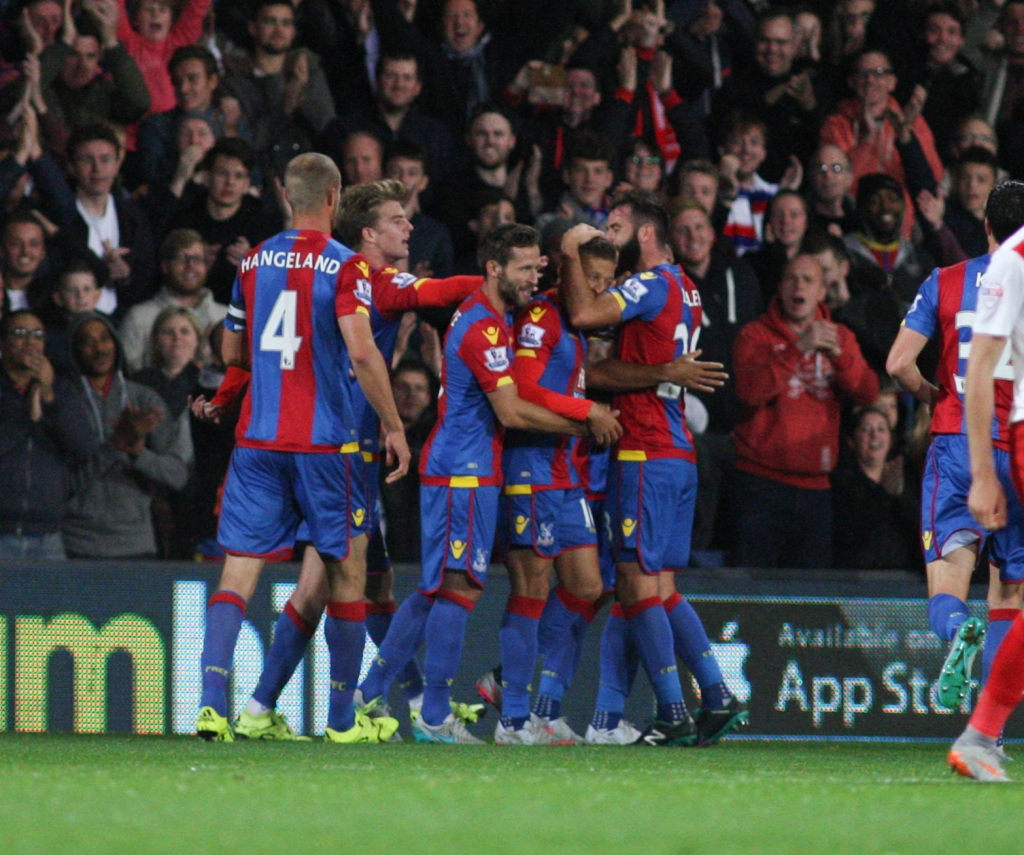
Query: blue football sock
224, 615
403, 639
345, 631
378, 621
559, 640
547, 706
445, 634
614, 685
291, 638
999, 623
945, 614
518, 641
693, 647
653, 634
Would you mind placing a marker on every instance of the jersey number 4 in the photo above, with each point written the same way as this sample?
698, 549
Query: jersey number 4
279, 333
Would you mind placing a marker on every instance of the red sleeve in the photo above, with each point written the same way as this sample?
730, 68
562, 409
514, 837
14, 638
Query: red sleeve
395, 292
538, 330
232, 387
353, 290
762, 372
671, 99
527, 372
624, 94
486, 353
189, 26
853, 375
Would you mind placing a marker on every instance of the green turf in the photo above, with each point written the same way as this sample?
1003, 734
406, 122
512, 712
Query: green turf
80, 794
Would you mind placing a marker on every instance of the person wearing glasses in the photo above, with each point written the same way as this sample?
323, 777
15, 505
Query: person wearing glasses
830, 206
41, 443
880, 135
183, 264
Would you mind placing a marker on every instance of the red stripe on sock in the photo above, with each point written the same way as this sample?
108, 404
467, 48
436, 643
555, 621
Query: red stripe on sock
590, 613
1002, 614
617, 611
348, 611
577, 605
673, 601
458, 599
1005, 686
301, 624
525, 606
227, 597
387, 608
630, 612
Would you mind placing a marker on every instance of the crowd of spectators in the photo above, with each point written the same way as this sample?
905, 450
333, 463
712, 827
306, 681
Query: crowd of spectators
818, 160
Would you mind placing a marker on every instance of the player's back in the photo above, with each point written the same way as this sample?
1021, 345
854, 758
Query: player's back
542, 332
466, 442
946, 305
661, 315
287, 298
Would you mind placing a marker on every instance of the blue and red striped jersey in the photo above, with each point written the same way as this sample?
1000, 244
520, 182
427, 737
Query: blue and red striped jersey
558, 353
287, 299
392, 294
945, 305
464, 448
661, 316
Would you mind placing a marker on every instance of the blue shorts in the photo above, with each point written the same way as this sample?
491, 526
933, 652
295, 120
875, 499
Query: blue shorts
604, 543
548, 521
268, 493
651, 505
457, 525
946, 522
377, 560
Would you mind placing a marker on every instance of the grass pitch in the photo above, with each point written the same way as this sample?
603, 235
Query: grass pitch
119, 794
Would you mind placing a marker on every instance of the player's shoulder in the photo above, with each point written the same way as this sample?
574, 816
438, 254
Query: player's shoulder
394, 277
639, 285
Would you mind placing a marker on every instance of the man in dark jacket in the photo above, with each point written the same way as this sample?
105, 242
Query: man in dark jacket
42, 441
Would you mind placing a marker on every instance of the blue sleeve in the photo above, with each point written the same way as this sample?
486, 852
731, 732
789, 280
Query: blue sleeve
236, 318
923, 315
641, 296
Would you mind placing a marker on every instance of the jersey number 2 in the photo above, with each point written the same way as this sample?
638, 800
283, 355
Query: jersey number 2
279, 333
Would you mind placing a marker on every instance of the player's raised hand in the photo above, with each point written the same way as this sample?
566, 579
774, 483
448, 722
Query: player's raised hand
396, 449
687, 372
987, 501
604, 424
573, 239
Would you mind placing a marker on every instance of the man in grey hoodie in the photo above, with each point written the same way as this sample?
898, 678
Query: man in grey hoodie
139, 449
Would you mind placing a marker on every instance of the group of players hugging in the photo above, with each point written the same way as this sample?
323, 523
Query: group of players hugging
524, 463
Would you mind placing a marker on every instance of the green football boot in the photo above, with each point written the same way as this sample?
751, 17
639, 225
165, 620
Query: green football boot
366, 730
955, 679
213, 727
270, 725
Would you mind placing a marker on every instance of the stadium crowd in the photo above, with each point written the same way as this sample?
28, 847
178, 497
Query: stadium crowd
818, 160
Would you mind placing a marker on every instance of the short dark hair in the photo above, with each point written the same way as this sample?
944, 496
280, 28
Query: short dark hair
977, 154
260, 5
816, 242
645, 208
397, 56
360, 208
946, 7
775, 14
74, 267
20, 218
740, 121
491, 107
7, 321
1004, 210
498, 244
203, 54
600, 247
408, 149
588, 145
234, 147
90, 133
782, 194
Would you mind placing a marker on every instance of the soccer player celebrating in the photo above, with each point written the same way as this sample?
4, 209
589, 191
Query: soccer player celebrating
300, 328
1000, 317
371, 220
945, 306
653, 477
460, 473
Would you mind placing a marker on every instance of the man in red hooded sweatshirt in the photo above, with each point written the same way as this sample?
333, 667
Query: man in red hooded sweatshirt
791, 365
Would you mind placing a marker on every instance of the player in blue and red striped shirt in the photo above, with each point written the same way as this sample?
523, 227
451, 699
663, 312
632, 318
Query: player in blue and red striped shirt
299, 328
652, 480
944, 308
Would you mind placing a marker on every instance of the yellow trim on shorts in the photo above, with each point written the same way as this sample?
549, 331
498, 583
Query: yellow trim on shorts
635, 456
518, 489
464, 481
349, 448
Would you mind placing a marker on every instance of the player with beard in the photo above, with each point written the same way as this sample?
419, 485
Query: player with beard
652, 479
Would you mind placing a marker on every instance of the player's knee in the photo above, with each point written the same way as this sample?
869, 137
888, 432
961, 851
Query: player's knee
379, 588
1004, 596
587, 588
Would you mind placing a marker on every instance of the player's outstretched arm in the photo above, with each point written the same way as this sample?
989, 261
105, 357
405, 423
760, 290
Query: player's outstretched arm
987, 501
586, 308
901, 365
515, 413
372, 374
618, 376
